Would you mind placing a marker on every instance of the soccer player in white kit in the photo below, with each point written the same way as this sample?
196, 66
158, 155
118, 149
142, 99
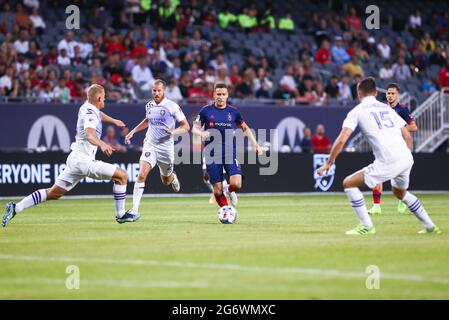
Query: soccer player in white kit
158, 146
391, 142
81, 161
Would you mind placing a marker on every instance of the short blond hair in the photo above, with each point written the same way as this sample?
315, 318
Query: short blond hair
94, 91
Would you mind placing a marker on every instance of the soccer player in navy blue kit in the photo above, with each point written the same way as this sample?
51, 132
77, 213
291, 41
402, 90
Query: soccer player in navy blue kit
220, 121
393, 94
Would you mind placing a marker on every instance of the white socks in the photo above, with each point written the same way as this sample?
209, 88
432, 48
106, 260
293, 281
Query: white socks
139, 187
418, 210
120, 198
33, 199
358, 204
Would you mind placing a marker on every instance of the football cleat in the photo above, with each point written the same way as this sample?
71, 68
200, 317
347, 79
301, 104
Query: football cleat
361, 230
375, 210
128, 217
434, 230
402, 207
10, 213
176, 186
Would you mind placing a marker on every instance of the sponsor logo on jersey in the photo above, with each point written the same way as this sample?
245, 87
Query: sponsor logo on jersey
147, 154
323, 182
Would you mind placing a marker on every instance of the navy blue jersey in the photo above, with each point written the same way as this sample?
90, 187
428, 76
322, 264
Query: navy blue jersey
225, 121
404, 113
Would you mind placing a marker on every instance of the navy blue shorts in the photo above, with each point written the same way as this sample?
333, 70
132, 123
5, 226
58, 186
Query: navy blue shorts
215, 170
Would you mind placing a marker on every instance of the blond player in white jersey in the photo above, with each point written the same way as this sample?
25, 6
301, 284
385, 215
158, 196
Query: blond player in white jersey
81, 161
391, 143
158, 146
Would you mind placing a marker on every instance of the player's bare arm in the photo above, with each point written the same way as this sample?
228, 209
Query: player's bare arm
183, 128
141, 126
407, 137
116, 122
247, 131
336, 149
93, 139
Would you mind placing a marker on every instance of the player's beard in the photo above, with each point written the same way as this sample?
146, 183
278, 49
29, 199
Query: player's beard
158, 100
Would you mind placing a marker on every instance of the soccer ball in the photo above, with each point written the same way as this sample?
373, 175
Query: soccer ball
227, 214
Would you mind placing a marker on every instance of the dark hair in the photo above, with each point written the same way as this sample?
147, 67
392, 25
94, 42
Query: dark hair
160, 81
367, 86
393, 85
220, 85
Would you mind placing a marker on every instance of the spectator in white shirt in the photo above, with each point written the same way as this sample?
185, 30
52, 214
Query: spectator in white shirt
415, 21
37, 21
344, 93
386, 72
21, 64
68, 44
21, 45
85, 47
218, 63
6, 81
142, 75
288, 80
63, 59
401, 70
173, 92
384, 49
47, 94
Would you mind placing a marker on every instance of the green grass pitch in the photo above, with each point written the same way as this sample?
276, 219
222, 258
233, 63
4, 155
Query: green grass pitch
284, 247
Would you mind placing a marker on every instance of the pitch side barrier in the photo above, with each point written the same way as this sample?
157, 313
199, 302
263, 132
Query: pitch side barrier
21, 173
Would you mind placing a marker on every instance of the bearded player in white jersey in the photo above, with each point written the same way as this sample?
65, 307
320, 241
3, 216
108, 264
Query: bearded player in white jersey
81, 161
158, 147
391, 143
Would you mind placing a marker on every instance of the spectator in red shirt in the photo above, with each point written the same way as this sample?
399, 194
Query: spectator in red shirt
139, 49
353, 22
115, 45
443, 78
323, 55
320, 142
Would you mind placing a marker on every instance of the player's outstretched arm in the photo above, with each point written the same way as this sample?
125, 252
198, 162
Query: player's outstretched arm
116, 122
93, 139
407, 137
336, 149
141, 126
247, 131
183, 128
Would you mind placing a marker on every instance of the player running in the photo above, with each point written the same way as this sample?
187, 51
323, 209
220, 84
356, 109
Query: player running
224, 119
158, 146
393, 94
81, 161
391, 143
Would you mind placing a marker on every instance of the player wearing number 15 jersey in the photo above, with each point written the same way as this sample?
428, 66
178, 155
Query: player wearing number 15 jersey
391, 143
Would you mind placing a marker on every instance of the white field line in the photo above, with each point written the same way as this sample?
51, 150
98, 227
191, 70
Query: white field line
321, 273
266, 194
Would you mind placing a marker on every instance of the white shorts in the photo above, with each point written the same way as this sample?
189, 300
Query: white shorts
398, 173
79, 167
163, 159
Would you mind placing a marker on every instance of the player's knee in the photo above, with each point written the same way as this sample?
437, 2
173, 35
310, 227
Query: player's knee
166, 181
236, 186
399, 193
206, 176
218, 192
346, 183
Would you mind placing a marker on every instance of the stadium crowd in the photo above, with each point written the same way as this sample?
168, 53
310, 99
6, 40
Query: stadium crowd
123, 45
